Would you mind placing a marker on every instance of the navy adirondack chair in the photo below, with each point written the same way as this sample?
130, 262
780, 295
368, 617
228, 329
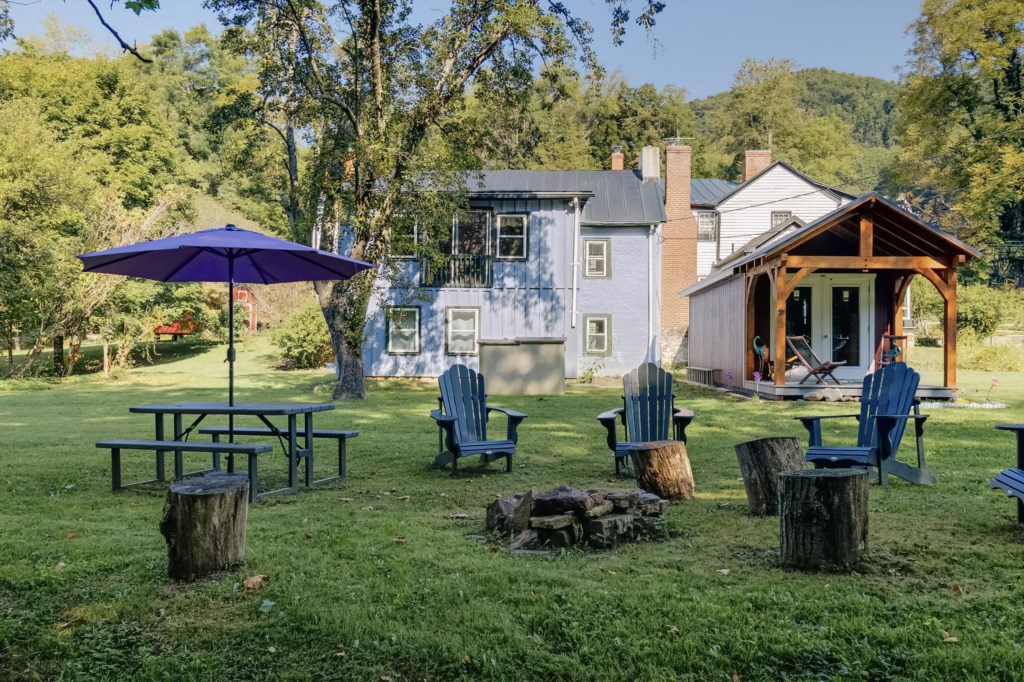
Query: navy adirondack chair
463, 418
647, 413
887, 403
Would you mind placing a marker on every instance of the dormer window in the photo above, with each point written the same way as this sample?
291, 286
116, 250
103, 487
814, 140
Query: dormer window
781, 217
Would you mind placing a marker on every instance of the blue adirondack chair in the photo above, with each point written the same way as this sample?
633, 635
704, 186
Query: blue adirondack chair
647, 413
463, 418
887, 403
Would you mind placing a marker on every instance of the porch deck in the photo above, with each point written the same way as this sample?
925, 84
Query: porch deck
793, 390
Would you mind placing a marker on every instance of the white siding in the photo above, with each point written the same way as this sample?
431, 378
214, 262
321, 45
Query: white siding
748, 213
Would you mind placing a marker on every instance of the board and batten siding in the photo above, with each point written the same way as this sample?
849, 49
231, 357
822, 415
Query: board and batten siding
624, 298
717, 319
748, 212
528, 299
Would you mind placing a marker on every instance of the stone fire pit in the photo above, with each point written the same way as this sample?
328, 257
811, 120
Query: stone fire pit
566, 517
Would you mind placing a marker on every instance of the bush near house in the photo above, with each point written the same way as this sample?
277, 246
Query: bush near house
302, 340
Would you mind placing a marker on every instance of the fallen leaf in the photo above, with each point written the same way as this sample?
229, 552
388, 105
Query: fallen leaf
367, 508
255, 582
385, 493
60, 566
444, 494
309, 536
386, 678
735, 677
724, 571
958, 588
404, 498
266, 606
947, 638
460, 515
723, 505
73, 621
71, 534
400, 539
672, 628
272, 650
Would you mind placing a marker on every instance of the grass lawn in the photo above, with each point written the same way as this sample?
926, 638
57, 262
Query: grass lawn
83, 592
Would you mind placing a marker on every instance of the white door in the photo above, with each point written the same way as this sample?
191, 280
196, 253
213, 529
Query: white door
834, 312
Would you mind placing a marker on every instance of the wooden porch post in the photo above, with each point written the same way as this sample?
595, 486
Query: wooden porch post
748, 335
949, 328
780, 326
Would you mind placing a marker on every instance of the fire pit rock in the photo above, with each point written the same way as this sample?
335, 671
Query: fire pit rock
567, 517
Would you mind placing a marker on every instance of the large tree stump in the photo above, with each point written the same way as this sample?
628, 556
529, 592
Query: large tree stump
823, 518
761, 461
204, 524
663, 468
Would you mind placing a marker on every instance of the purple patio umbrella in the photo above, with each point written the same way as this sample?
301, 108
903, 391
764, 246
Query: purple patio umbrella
227, 254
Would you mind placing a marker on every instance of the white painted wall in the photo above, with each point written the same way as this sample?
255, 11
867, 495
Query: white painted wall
748, 213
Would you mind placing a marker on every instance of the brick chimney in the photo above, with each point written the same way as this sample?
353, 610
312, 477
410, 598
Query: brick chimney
754, 161
618, 158
678, 253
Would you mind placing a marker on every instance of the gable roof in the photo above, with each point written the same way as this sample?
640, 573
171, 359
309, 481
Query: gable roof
777, 241
837, 193
612, 197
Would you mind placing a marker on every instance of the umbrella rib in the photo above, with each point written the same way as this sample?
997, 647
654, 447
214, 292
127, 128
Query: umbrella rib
321, 265
111, 262
175, 271
263, 273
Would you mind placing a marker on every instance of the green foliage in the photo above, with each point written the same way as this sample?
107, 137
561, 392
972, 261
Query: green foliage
980, 309
302, 340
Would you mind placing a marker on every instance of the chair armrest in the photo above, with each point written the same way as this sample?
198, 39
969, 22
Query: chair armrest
441, 418
514, 418
447, 424
680, 420
813, 426
608, 420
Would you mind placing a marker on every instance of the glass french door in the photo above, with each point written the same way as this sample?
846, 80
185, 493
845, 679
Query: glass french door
833, 312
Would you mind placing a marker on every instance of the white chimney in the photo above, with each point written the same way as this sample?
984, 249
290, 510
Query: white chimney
650, 163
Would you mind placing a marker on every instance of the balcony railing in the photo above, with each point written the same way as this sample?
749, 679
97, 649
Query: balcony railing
464, 271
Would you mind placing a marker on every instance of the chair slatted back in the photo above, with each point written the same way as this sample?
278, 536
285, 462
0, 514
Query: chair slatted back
462, 393
804, 351
647, 394
889, 390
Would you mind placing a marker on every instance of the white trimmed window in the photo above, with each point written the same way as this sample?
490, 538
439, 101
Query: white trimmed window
597, 258
707, 226
597, 331
404, 237
463, 328
403, 331
781, 217
512, 237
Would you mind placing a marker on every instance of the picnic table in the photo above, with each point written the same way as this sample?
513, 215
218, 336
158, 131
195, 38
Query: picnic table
289, 435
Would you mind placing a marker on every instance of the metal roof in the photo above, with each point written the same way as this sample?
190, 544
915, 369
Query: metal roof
709, 191
613, 197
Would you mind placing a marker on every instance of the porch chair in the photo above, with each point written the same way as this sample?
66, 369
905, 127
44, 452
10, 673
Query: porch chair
887, 402
815, 367
463, 417
648, 408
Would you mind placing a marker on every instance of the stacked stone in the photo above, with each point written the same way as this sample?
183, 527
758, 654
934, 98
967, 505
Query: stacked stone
565, 517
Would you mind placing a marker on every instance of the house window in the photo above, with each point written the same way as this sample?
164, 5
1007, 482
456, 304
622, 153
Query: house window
598, 334
707, 226
469, 233
512, 233
463, 330
404, 237
781, 217
403, 331
597, 258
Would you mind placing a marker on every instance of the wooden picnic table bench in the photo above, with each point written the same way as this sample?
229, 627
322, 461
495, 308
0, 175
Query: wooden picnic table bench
251, 450
341, 436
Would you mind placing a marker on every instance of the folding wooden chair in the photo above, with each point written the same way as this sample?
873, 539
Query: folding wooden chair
815, 367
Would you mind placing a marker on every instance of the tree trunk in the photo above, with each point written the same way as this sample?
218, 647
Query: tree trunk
345, 316
823, 518
761, 461
663, 468
58, 355
106, 357
204, 525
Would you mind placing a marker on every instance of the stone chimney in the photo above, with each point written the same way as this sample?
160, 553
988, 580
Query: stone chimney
650, 163
618, 158
678, 253
754, 161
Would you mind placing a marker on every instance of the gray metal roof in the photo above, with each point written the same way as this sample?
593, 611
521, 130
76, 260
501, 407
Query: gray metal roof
613, 197
708, 191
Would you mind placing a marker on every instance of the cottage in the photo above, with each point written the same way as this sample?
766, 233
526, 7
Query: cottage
838, 281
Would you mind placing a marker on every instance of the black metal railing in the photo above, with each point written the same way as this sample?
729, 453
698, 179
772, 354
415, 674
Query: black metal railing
464, 270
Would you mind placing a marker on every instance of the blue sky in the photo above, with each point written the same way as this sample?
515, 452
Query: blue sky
702, 42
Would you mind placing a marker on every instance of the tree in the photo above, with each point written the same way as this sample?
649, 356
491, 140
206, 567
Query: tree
370, 94
961, 126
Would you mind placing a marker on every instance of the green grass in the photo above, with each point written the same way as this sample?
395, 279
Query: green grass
442, 606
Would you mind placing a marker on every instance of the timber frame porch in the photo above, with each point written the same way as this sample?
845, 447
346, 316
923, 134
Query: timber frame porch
868, 235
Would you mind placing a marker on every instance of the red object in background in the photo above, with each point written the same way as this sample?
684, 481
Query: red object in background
176, 328
245, 296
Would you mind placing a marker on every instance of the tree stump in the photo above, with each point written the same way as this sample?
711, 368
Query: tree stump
204, 525
823, 518
761, 461
663, 468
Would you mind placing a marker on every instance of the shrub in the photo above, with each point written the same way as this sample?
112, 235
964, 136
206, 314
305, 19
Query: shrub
980, 309
303, 340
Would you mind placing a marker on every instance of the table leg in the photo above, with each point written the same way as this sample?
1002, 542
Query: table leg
160, 474
179, 471
1020, 465
293, 453
308, 441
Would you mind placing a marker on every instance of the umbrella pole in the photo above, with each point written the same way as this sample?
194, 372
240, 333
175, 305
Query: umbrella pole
231, 346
